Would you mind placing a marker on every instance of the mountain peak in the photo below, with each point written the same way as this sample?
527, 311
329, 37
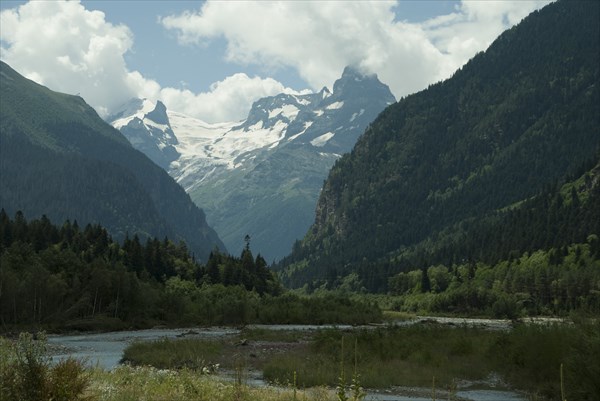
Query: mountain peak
356, 84
126, 109
159, 114
355, 72
324, 92
147, 127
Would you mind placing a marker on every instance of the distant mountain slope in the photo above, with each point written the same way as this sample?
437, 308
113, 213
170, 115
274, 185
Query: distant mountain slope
59, 158
515, 119
261, 176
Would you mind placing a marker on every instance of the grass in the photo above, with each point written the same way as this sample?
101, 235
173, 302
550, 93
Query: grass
419, 352
26, 373
527, 358
395, 356
150, 384
175, 354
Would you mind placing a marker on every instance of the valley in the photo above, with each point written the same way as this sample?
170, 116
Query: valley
363, 241
261, 176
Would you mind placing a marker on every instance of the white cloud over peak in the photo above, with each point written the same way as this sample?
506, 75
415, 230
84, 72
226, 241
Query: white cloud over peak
69, 48
64, 46
319, 38
236, 92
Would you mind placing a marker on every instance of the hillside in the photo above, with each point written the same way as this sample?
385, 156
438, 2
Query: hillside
59, 158
516, 120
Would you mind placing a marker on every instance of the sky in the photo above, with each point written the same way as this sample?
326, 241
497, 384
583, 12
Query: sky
213, 59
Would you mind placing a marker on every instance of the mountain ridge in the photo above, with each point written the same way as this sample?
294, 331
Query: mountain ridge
514, 119
262, 176
59, 158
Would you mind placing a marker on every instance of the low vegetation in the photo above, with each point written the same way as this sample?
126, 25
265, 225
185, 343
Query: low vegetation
548, 361
527, 357
26, 373
150, 384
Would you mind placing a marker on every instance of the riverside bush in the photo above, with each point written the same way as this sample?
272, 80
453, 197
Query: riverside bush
530, 357
27, 375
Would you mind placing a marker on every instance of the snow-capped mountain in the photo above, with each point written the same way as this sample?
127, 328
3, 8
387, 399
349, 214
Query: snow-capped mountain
260, 176
146, 126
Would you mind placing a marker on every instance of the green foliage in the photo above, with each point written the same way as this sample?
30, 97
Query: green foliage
21, 378
340, 389
471, 169
418, 352
69, 278
532, 284
26, 373
581, 363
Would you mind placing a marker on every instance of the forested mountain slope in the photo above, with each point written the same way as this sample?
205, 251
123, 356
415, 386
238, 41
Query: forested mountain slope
511, 124
59, 158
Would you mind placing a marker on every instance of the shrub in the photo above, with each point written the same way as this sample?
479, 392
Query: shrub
26, 372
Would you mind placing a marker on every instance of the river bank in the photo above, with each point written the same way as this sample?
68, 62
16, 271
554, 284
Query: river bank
465, 356
255, 348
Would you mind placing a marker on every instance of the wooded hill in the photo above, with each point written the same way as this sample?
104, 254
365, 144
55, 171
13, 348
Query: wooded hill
498, 160
60, 159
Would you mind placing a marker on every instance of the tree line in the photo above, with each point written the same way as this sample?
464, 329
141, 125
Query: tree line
68, 277
551, 282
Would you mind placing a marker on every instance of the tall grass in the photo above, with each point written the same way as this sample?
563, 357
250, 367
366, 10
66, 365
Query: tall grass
166, 353
395, 356
26, 374
527, 358
530, 357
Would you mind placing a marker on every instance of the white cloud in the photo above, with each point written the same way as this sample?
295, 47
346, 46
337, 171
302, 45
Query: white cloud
71, 49
473, 27
319, 38
228, 100
68, 48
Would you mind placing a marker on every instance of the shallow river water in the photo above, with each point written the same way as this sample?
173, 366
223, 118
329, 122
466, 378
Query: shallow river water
106, 349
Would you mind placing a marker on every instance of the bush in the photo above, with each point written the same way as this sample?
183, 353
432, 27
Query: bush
530, 356
26, 373
505, 306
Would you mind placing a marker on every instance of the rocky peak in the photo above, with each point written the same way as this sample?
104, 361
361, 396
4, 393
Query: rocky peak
355, 84
159, 114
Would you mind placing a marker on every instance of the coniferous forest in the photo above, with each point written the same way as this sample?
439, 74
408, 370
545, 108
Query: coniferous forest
70, 277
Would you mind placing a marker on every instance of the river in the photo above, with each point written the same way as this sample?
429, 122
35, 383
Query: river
105, 350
